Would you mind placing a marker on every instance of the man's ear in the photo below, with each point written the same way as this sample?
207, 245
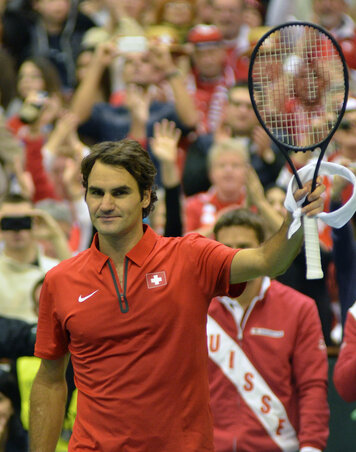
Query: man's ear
146, 198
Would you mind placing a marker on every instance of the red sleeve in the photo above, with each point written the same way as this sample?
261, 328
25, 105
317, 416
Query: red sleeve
51, 338
344, 376
14, 124
34, 165
310, 372
211, 262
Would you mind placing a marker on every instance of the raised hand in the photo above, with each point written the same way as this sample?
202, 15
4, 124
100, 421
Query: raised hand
164, 143
138, 102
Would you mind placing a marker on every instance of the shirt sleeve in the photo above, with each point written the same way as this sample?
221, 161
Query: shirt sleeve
344, 376
310, 373
211, 261
52, 339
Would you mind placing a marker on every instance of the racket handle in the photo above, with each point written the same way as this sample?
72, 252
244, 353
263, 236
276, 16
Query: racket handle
312, 248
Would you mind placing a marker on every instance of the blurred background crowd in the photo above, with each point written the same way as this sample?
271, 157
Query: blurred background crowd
171, 74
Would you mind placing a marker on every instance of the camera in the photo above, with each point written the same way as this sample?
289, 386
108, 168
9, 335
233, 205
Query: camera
132, 44
30, 112
16, 223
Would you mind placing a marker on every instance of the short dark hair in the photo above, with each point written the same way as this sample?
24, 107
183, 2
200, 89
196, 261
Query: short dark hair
241, 217
130, 155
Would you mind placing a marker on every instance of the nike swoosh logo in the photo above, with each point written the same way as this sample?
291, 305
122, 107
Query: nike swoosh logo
81, 299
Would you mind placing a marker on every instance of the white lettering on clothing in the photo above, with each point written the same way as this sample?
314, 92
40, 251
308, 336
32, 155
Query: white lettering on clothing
255, 391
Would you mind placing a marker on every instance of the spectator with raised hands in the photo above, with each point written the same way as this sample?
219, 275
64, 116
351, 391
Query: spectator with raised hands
105, 122
22, 261
63, 153
42, 104
238, 121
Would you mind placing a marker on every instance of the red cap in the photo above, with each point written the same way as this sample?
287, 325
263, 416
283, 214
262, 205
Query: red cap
204, 34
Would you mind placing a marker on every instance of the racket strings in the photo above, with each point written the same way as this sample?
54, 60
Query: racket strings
298, 85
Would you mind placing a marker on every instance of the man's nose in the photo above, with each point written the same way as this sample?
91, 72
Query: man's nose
107, 202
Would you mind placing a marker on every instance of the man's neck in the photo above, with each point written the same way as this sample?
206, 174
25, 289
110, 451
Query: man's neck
117, 247
52, 28
231, 197
252, 290
26, 255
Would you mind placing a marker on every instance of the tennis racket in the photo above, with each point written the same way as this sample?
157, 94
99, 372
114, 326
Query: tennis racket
298, 83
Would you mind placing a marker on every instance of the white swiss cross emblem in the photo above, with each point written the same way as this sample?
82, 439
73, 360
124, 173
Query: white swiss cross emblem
156, 279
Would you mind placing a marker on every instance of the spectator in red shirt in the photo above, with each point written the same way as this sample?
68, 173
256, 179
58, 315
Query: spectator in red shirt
228, 162
228, 17
211, 76
334, 16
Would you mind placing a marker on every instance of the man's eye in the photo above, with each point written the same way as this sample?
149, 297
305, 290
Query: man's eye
96, 193
118, 193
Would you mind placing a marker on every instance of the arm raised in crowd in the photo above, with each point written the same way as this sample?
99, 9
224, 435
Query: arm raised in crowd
184, 102
85, 95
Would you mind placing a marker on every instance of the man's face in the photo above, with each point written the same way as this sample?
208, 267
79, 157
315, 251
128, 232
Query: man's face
240, 115
238, 237
329, 12
53, 11
276, 196
16, 240
227, 17
30, 79
139, 69
178, 13
228, 173
114, 201
209, 61
133, 8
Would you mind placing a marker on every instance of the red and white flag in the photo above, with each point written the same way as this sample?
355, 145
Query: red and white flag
156, 279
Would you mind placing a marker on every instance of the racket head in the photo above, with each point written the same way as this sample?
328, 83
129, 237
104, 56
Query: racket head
298, 84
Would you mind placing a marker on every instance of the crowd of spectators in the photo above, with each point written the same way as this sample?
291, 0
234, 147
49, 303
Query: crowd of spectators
171, 74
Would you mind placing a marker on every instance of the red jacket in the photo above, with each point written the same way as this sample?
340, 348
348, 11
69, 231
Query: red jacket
268, 372
345, 368
201, 209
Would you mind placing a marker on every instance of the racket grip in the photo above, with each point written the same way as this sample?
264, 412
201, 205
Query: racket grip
312, 248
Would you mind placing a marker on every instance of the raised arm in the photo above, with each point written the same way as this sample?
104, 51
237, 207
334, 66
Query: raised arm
184, 102
85, 95
47, 404
275, 255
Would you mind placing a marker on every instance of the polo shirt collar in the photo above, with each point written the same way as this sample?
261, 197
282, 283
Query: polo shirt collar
137, 254
143, 248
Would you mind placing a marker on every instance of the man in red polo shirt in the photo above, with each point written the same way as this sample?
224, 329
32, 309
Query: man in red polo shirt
131, 310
